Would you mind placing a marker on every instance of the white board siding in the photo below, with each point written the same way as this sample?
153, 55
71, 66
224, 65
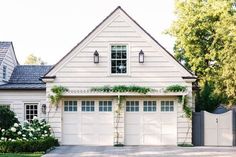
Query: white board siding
9, 61
77, 70
17, 99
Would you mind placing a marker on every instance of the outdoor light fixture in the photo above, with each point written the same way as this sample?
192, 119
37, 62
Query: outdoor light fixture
96, 57
141, 57
44, 108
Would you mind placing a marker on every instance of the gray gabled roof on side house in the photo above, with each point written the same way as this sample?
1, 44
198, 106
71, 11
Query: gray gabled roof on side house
4, 46
27, 77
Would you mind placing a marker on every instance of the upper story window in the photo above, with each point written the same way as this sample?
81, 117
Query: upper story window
4, 72
118, 59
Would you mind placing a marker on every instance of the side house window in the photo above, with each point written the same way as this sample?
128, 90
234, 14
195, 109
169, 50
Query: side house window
4, 72
118, 59
70, 106
31, 110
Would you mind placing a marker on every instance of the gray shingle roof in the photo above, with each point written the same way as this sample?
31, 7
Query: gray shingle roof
4, 46
27, 77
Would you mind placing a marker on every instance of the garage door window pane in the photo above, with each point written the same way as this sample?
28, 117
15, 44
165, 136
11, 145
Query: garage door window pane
70, 106
105, 106
132, 106
149, 106
87, 106
167, 106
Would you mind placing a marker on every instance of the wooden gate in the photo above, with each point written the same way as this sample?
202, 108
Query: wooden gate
218, 129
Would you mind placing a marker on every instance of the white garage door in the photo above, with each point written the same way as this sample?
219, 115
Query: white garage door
150, 123
87, 123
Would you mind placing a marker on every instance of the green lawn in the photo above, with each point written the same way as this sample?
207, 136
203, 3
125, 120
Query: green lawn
21, 154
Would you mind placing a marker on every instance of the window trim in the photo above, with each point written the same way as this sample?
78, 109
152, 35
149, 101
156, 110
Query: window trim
103, 106
4, 78
174, 108
127, 55
139, 106
73, 111
94, 103
152, 111
38, 108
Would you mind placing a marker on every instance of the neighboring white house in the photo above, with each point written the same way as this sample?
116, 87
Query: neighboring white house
112, 54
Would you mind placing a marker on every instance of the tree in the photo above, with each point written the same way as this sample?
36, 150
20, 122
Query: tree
7, 118
205, 43
33, 60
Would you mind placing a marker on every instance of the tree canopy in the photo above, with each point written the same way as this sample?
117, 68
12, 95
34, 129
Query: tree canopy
34, 60
205, 32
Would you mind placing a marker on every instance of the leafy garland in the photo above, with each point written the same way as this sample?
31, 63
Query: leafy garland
122, 88
183, 99
58, 92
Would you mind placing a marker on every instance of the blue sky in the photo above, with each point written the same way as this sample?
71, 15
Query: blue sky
51, 28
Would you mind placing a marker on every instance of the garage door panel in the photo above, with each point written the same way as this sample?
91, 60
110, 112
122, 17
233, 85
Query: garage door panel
168, 129
70, 118
105, 118
168, 118
151, 139
151, 129
104, 129
89, 139
132, 139
106, 139
169, 139
88, 118
70, 129
71, 139
132, 118
150, 118
87, 128
132, 128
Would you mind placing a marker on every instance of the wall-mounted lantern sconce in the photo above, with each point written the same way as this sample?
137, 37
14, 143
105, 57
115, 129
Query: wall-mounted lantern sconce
44, 108
141, 57
96, 57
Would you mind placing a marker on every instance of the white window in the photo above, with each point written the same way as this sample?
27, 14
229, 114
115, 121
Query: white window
105, 106
132, 106
31, 110
4, 72
167, 106
118, 59
5, 105
87, 106
149, 106
70, 106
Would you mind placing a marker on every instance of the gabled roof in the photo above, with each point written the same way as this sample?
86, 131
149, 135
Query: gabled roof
4, 46
27, 77
92, 32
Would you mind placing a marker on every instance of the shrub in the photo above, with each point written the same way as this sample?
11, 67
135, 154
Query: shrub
28, 146
176, 88
7, 118
35, 130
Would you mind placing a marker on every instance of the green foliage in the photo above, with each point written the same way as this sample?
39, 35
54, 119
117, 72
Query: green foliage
176, 88
206, 43
58, 92
185, 145
7, 118
187, 110
28, 146
122, 88
206, 99
35, 130
35, 154
33, 60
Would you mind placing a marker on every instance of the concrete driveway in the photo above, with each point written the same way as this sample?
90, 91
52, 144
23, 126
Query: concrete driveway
141, 151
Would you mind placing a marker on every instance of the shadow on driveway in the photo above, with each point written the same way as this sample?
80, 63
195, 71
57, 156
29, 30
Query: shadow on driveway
141, 151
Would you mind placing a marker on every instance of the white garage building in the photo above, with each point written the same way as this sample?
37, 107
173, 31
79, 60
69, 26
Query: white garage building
117, 52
